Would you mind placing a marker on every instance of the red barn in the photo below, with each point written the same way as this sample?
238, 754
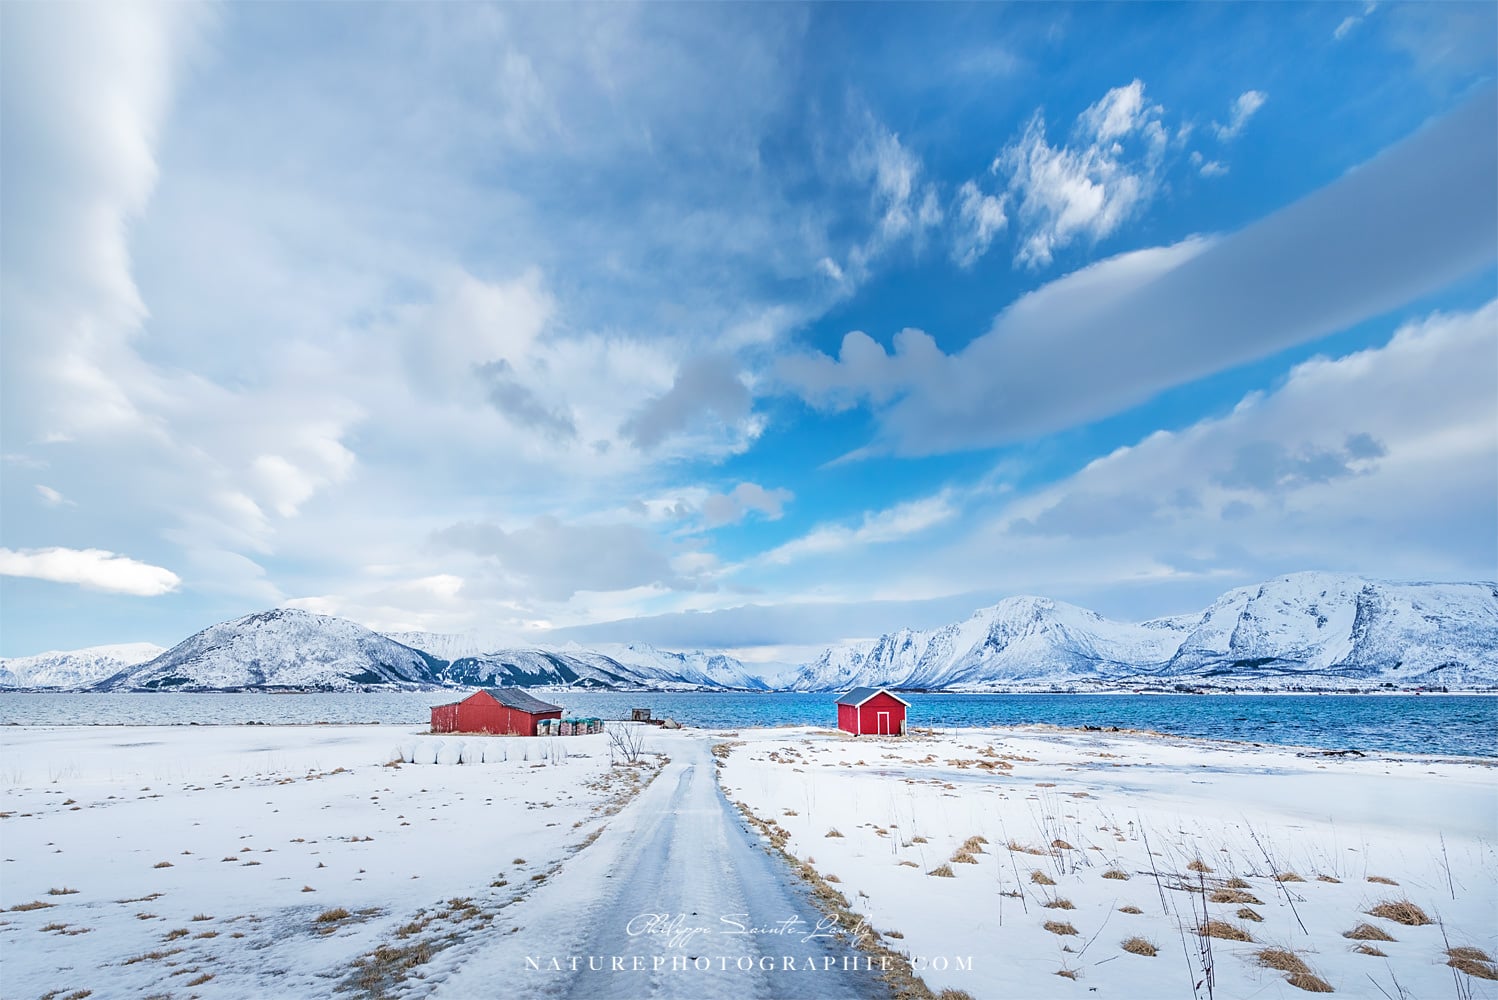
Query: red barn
499, 711
871, 712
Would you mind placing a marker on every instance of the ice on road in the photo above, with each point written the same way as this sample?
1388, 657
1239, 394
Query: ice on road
676, 899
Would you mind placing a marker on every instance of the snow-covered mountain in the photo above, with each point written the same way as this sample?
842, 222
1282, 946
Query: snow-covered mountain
280, 648
476, 661
1322, 623
1309, 629
74, 668
1018, 640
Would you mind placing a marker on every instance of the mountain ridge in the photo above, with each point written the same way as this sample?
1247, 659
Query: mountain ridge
1313, 629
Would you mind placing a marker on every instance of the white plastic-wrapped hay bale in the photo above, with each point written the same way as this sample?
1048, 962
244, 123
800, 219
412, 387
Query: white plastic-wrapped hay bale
425, 751
450, 752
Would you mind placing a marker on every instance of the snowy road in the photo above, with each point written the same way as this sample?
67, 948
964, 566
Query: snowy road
677, 899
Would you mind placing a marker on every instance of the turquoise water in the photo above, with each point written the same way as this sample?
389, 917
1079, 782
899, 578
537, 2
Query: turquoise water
1454, 724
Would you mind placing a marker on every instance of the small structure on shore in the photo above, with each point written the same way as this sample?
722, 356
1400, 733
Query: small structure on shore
497, 711
867, 711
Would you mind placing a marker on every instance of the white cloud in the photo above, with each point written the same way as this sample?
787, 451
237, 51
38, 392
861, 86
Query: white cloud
52, 498
1087, 188
1206, 167
877, 527
1244, 107
92, 568
1345, 26
721, 509
980, 218
1420, 215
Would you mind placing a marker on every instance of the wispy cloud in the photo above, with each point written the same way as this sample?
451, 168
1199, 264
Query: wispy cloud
1244, 107
96, 569
877, 527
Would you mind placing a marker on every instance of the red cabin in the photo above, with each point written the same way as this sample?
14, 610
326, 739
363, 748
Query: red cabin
497, 711
871, 712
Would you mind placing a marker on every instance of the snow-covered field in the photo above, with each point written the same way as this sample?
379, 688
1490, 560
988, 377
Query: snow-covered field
1090, 840
250, 861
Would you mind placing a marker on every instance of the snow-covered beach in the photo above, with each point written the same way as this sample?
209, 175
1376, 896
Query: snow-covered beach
1041, 854
235, 861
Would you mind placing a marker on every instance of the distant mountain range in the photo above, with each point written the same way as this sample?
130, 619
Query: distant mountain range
1306, 630
1303, 631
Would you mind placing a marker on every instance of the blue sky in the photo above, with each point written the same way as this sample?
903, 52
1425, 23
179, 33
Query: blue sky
751, 327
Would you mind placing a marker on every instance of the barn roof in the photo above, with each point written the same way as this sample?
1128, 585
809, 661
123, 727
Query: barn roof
860, 695
520, 700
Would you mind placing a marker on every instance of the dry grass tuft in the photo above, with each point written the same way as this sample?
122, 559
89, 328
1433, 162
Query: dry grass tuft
963, 857
1062, 845
943, 871
1115, 873
1235, 896
64, 891
1281, 960
1367, 932
1368, 949
1245, 913
1198, 865
1129, 909
1381, 880
35, 904
1288, 877
180, 932
974, 844
1473, 961
1019, 848
1236, 883
1059, 927
1224, 930
1067, 974
1140, 946
1401, 911
1058, 904
1041, 878
834, 832
909, 864
919, 840
1328, 878
1310, 982
332, 916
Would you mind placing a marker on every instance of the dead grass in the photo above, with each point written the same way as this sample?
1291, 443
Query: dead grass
834, 832
1328, 878
202, 916
1401, 911
1245, 913
35, 904
1236, 883
1140, 946
909, 864
152, 956
964, 857
974, 844
61, 892
1068, 974
1062, 845
1129, 909
1288, 877
1041, 878
200, 980
1019, 848
1298, 974
919, 840
162, 864
1473, 961
943, 871
1379, 879
1115, 873
1235, 896
1368, 949
1198, 865
332, 916
1367, 932
1060, 927
1058, 904
180, 932
1224, 930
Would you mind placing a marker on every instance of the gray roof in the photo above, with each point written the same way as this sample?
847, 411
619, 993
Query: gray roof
520, 700
860, 695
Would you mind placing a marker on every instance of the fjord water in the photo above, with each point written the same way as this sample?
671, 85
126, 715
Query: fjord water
1435, 724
